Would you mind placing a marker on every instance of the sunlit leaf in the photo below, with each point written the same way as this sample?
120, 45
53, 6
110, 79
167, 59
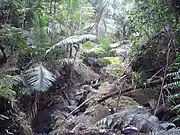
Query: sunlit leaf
111, 60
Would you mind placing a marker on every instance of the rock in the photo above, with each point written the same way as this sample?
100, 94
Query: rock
46, 116
124, 101
106, 88
93, 114
98, 112
78, 73
86, 120
143, 96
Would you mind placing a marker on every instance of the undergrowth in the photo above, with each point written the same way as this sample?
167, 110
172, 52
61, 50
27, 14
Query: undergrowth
174, 84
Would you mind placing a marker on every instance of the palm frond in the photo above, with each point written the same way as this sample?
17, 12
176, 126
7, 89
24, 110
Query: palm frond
38, 78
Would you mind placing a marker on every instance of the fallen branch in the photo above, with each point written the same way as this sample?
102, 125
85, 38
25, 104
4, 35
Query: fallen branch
80, 106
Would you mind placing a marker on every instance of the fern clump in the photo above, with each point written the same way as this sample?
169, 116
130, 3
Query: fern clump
174, 83
7, 93
174, 76
7, 84
114, 70
174, 80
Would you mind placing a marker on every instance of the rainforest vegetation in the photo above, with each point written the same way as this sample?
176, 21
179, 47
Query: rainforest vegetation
89, 67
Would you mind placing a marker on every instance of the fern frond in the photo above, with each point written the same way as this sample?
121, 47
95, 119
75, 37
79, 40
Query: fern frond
7, 83
65, 61
177, 64
6, 93
38, 78
11, 81
73, 40
175, 77
135, 117
174, 96
107, 123
173, 74
172, 85
175, 83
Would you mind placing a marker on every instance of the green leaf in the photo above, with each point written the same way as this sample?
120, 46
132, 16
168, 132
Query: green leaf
98, 50
87, 45
111, 60
7, 93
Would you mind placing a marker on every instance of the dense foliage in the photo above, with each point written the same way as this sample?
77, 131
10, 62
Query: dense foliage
102, 33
